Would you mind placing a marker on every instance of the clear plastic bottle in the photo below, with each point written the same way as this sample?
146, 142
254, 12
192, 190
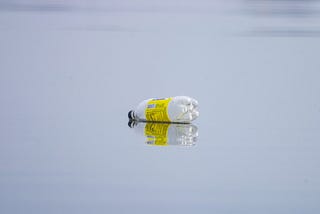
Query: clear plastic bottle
166, 134
180, 109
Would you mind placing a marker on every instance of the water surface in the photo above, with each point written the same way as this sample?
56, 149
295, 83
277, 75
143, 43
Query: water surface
70, 72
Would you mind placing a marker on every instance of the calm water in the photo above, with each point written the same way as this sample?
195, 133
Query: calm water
70, 72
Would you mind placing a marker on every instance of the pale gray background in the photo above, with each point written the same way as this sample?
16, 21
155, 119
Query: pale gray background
70, 71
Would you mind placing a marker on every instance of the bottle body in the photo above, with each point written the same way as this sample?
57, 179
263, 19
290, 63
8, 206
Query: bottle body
180, 109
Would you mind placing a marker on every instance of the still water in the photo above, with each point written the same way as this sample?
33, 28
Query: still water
70, 72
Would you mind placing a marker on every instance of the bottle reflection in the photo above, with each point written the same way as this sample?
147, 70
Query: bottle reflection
164, 134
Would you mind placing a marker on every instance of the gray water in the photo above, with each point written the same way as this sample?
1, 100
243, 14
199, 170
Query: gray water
70, 72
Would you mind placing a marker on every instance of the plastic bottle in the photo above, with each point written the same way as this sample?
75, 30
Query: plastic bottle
165, 134
180, 109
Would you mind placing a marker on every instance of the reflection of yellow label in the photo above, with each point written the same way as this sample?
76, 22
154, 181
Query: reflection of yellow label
157, 110
157, 133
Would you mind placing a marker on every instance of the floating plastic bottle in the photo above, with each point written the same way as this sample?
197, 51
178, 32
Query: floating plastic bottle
165, 134
180, 109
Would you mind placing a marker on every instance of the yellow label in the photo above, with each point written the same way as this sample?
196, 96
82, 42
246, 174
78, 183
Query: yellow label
157, 110
157, 133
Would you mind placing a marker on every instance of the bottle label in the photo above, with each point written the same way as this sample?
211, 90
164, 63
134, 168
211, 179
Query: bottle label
157, 110
157, 133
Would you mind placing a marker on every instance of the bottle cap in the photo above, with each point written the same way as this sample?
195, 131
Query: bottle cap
131, 115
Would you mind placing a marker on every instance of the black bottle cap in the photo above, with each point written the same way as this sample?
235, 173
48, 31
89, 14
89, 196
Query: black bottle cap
131, 115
